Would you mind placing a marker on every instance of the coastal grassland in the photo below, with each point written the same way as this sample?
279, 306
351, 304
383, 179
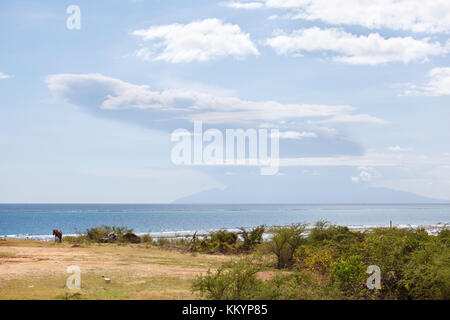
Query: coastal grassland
37, 270
323, 261
93, 286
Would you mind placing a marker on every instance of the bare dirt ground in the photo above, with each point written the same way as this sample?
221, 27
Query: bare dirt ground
136, 271
20, 262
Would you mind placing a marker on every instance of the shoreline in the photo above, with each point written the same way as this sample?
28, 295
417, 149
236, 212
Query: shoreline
431, 229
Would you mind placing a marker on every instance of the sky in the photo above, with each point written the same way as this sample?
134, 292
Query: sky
359, 91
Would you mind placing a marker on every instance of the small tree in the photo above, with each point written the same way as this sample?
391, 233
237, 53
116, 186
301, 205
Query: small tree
251, 238
284, 242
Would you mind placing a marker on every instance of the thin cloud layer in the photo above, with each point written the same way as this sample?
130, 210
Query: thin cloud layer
105, 94
349, 48
295, 135
431, 16
203, 40
4, 76
438, 84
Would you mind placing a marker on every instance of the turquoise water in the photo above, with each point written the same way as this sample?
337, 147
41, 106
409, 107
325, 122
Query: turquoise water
20, 220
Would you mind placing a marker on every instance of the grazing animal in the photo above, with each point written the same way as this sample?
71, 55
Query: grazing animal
58, 234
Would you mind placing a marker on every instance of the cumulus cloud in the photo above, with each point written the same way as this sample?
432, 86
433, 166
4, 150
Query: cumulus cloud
5, 76
203, 40
106, 94
353, 49
431, 16
438, 84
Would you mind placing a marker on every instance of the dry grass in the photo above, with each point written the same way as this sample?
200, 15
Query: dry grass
37, 270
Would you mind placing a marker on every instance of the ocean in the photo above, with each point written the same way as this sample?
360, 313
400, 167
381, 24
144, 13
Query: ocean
38, 220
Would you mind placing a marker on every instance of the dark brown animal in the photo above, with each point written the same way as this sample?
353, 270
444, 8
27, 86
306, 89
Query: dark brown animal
58, 234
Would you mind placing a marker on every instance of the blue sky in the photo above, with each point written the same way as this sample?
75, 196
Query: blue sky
86, 115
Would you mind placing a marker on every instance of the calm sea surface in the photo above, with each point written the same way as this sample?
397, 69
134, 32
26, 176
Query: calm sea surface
38, 220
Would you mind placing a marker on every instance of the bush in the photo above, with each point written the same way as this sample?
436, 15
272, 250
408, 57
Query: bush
236, 283
332, 263
315, 259
240, 281
339, 239
389, 249
444, 237
427, 274
161, 242
219, 241
284, 242
98, 233
146, 238
252, 238
349, 274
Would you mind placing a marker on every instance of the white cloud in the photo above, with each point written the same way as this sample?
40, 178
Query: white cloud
5, 76
100, 92
399, 149
349, 48
366, 161
296, 135
431, 16
438, 84
350, 118
197, 41
242, 5
363, 176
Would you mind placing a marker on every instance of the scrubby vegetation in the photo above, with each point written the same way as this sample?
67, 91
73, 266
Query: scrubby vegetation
224, 241
330, 262
104, 234
98, 233
322, 262
285, 241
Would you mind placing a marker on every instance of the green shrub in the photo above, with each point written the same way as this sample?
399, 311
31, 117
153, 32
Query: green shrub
349, 274
444, 237
332, 263
252, 238
219, 241
162, 242
236, 283
315, 259
97, 233
223, 236
284, 242
427, 273
146, 238
240, 281
389, 249
339, 239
